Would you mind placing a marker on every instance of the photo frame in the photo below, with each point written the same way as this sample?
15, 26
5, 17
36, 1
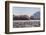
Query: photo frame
24, 17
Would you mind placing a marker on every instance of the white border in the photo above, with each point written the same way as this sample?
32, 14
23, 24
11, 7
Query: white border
11, 29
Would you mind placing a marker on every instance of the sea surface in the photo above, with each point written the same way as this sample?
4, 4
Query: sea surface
26, 23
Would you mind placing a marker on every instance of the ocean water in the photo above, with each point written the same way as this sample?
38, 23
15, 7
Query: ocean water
26, 23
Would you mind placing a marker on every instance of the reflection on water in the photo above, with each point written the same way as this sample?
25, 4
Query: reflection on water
26, 23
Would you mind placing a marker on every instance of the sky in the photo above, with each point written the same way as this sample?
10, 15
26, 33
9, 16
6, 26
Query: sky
25, 10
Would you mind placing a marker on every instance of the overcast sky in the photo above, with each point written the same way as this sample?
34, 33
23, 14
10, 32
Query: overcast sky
25, 10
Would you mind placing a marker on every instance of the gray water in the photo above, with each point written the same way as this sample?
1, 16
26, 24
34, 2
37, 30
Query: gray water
26, 23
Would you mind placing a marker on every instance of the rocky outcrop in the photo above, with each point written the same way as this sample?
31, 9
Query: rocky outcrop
35, 16
21, 17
